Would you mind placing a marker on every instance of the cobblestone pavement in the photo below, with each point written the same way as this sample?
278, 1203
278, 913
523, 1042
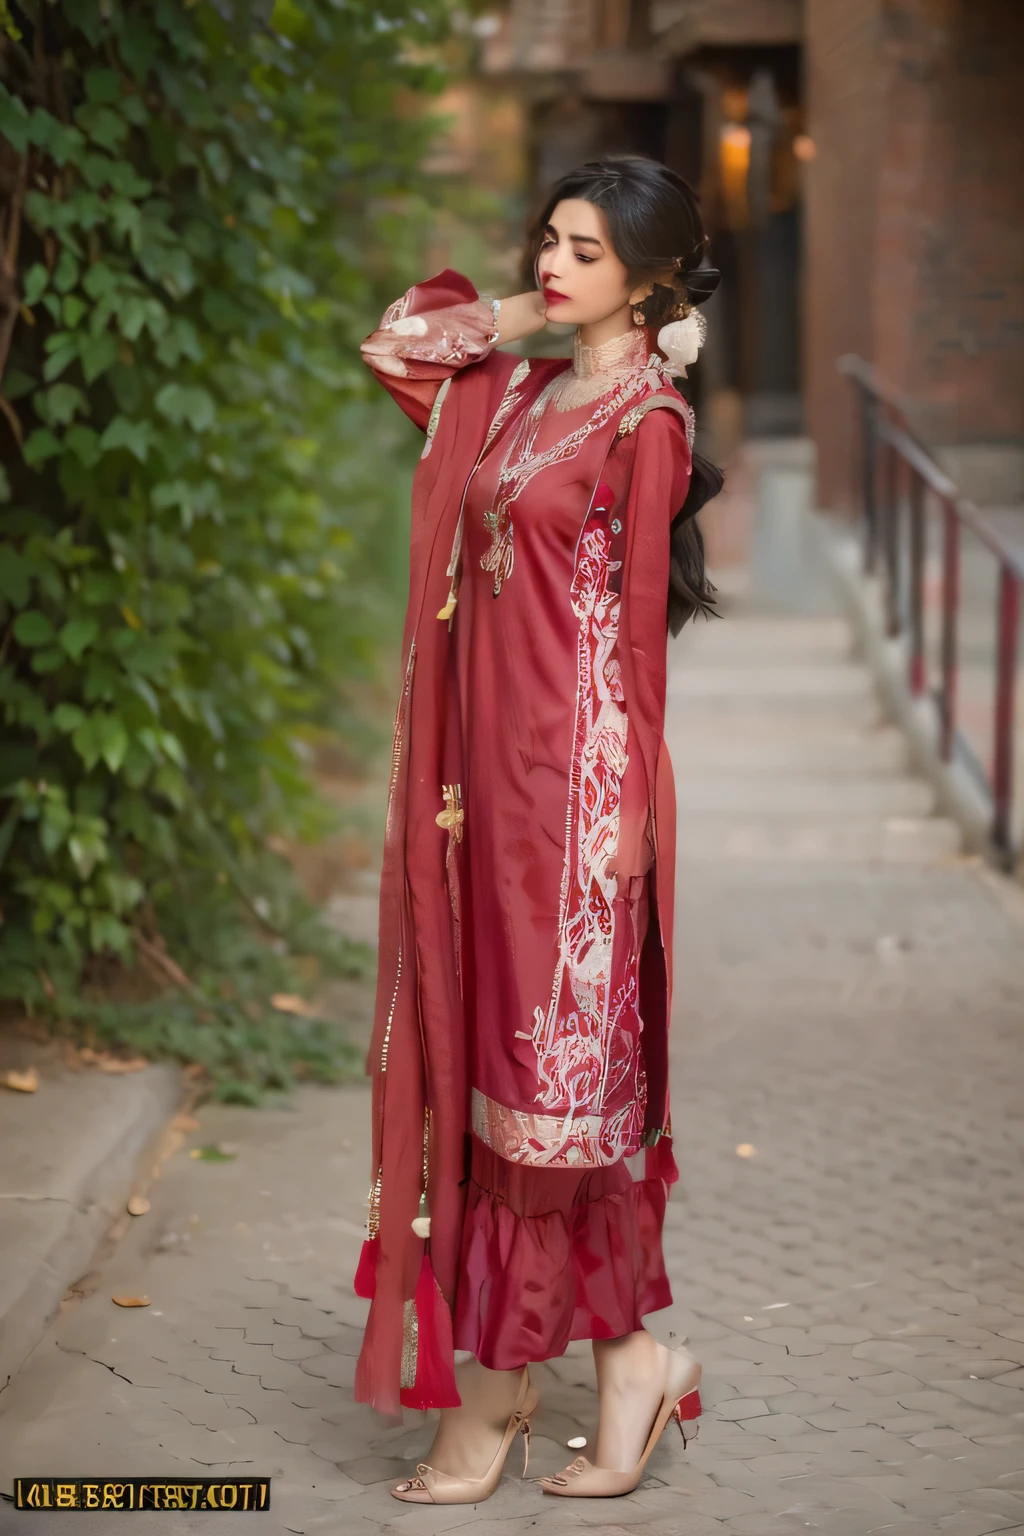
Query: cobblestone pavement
850, 1013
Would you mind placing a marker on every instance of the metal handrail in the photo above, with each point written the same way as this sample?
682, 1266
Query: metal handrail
891, 452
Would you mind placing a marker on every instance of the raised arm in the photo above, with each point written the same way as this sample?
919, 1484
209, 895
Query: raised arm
437, 328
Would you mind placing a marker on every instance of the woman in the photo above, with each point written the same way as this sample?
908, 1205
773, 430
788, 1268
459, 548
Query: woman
519, 1056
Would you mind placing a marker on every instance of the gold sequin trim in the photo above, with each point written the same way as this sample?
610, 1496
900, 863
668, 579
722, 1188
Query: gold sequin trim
373, 1220
410, 1344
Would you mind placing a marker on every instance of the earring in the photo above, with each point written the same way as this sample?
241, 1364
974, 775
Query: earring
639, 318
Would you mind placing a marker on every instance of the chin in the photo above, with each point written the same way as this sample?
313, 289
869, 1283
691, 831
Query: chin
563, 314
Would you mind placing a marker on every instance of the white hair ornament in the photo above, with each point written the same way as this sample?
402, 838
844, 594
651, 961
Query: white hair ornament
681, 340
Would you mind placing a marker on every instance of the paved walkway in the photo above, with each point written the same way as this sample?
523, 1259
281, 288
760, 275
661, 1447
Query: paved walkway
850, 1014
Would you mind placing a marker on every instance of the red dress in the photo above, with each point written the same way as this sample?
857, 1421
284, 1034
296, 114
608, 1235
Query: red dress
554, 995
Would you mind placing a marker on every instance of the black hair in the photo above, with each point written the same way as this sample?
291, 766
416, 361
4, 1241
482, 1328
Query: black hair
656, 228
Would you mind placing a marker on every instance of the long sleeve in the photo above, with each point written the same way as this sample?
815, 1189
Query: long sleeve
431, 332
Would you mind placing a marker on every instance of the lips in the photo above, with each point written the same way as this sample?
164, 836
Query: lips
552, 296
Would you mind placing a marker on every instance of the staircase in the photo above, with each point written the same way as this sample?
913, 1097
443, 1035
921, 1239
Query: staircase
780, 749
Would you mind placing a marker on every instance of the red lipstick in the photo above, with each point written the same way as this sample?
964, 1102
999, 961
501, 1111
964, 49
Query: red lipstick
553, 296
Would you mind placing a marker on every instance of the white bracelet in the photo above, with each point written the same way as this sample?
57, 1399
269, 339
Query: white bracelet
495, 307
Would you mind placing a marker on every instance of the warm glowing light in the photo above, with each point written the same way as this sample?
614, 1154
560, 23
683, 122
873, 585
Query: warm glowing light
736, 140
746, 1149
734, 164
804, 147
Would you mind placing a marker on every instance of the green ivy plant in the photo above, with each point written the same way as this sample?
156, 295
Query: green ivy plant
204, 203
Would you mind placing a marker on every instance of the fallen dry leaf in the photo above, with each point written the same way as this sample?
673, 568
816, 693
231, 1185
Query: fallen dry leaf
119, 1064
131, 1301
288, 1002
138, 1205
21, 1082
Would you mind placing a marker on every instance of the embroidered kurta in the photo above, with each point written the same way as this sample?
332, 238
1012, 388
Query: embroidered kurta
525, 960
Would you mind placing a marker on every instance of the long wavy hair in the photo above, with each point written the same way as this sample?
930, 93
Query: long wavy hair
655, 226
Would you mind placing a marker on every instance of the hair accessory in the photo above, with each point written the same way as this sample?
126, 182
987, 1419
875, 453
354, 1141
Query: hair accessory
681, 340
639, 318
701, 283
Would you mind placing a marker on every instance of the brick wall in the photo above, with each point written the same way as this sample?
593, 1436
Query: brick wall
916, 215
844, 98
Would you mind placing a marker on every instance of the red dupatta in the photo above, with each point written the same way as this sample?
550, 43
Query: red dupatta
417, 1059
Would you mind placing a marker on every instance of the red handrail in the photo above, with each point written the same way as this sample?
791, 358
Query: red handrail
890, 453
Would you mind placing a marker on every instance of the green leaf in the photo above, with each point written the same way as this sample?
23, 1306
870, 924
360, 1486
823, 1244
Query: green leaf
61, 403
219, 161
15, 577
84, 443
68, 717
87, 849
14, 125
98, 353
65, 274
17, 383
76, 634
72, 310
35, 283
135, 436
180, 404
59, 359
113, 741
40, 446
101, 279
212, 1154
102, 125
108, 932
33, 628
85, 738
48, 660
102, 85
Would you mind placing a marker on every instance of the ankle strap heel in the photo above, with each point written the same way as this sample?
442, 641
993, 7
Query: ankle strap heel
524, 1430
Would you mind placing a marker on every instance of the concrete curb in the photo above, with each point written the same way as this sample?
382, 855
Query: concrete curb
957, 793
68, 1157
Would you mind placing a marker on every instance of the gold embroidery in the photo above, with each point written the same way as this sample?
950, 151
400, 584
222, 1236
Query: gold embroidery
435, 416
632, 418
521, 463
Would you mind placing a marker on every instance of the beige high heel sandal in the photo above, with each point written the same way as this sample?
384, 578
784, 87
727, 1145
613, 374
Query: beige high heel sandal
429, 1486
582, 1480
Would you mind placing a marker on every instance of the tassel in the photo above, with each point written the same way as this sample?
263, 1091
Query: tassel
659, 1161
435, 1355
449, 607
365, 1282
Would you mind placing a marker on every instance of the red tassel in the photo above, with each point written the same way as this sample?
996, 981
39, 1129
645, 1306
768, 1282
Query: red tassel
366, 1272
660, 1163
435, 1355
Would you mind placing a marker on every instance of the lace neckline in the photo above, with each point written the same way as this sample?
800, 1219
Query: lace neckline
619, 355
597, 371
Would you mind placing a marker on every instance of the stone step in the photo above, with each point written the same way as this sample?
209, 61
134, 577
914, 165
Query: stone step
800, 795
811, 640
805, 747
827, 682
855, 840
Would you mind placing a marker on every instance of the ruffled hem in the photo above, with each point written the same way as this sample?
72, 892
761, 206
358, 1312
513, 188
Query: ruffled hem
550, 1255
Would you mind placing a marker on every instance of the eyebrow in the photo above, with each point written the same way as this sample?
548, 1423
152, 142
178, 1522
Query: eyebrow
580, 239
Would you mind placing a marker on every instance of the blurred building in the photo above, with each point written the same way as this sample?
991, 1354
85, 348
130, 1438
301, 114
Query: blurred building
859, 168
